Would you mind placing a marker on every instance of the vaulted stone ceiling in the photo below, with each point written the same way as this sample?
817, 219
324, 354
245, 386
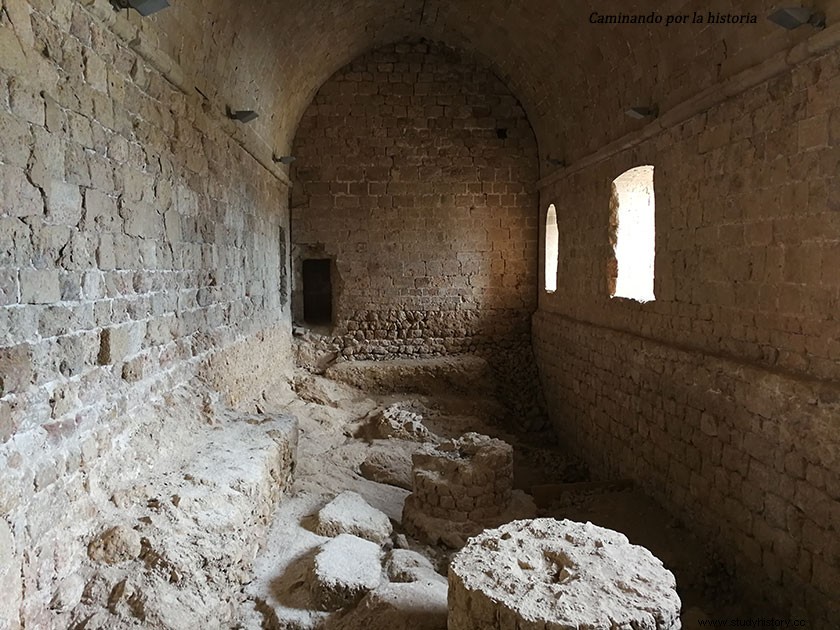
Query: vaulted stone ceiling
573, 77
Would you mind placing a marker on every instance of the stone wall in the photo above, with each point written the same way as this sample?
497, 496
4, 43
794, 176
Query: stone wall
415, 176
416, 171
138, 238
720, 397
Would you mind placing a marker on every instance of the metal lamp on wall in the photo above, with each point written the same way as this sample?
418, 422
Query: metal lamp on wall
143, 7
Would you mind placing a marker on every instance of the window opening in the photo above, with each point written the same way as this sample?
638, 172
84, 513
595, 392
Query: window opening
633, 234
552, 237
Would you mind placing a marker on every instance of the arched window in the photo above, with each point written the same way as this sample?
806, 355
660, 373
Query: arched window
551, 249
632, 234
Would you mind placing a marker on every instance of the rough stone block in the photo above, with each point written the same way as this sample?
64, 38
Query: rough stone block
101, 212
420, 605
142, 220
345, 569
47, 164
8, 287
7, 424
96, 72
118, 544
16, 368
39, 286
120, 342
349, 513
404, 565
64, 203
25, 103
388, 465
10, 576
18, 197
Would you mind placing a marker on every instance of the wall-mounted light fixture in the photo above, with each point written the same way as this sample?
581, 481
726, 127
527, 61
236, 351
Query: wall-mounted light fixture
283, 159
641, 112
555, 161
793, 17
242, 115
143, 7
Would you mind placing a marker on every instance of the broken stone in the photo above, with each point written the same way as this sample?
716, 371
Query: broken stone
396, 421
349, 513
411, 606
118, 544
345, 569
68, 594
391, 466
404, 565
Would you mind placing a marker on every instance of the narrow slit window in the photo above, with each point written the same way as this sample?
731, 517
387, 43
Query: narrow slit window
552, 253
317, 291
633, 235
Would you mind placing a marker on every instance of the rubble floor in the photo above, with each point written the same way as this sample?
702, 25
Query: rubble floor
333, 414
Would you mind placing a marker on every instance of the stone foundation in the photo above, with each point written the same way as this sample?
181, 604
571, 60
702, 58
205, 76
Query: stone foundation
459, 488
153, 529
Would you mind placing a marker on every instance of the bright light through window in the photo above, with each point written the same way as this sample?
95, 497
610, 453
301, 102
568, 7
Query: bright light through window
633, 221
551, 249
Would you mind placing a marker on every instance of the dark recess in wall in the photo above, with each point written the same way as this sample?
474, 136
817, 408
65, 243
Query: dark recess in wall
317, 291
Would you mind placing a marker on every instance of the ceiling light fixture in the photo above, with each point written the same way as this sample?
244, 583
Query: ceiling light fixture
640, 113
242, 115
283, 159
143, 7
793, 17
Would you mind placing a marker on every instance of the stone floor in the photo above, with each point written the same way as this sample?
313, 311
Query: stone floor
335, 441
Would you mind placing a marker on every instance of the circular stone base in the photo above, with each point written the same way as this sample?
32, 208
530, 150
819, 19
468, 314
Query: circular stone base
545, 574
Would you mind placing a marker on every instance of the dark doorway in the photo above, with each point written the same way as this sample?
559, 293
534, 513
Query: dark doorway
317, 291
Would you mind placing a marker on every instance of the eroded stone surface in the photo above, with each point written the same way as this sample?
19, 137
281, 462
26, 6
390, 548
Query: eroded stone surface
401, 422
181, 537
404, 565
536, 573
345, 568
389, 464
118, 544
10, 584
419, 605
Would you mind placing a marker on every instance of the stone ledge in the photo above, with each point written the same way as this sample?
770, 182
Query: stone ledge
196, 484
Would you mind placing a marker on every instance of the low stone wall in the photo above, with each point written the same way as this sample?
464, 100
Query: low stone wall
508, 368
154, 529
460, 487
466, 479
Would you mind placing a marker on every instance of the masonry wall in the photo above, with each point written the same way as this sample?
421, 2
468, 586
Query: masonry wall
722, 397
140, 247
416, 171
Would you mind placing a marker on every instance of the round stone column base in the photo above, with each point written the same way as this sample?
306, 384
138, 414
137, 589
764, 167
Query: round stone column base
545, 574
